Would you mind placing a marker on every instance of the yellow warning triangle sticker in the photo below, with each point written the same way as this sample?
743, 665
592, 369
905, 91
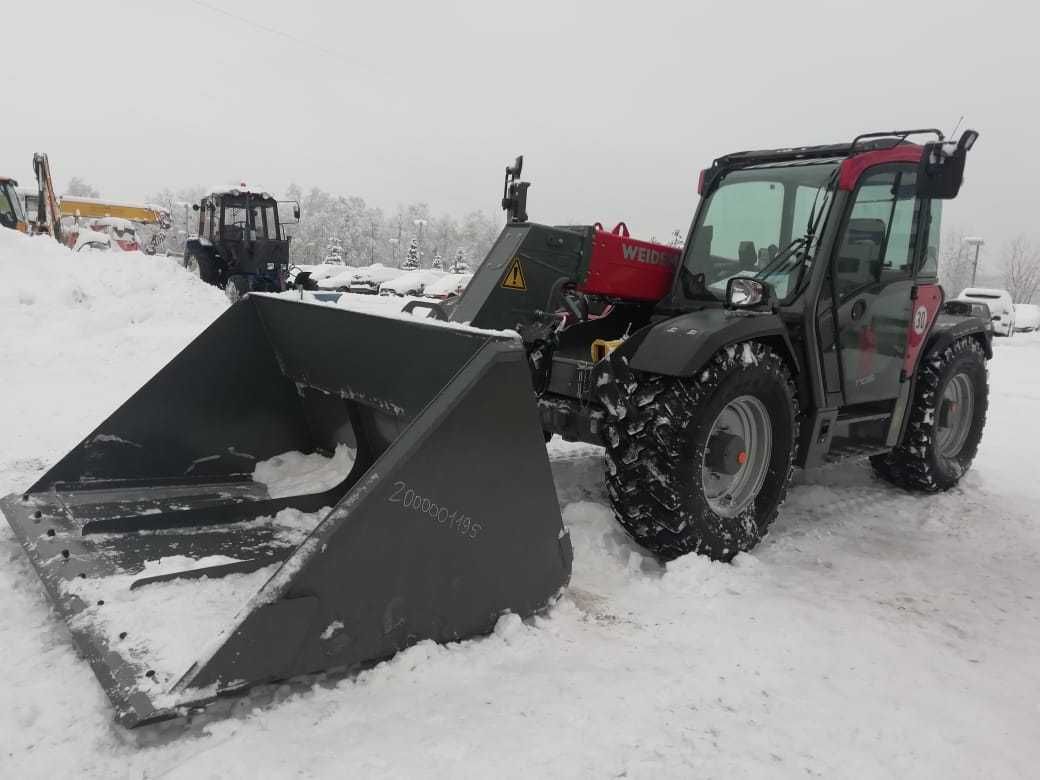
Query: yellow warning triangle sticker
515, 277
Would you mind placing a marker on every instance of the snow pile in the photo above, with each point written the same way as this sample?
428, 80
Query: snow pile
95, 325
297, 474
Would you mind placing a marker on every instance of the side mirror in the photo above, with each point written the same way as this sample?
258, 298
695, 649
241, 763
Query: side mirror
296, 212
941, 170
745, 292
516, 168
195, 206
514, 193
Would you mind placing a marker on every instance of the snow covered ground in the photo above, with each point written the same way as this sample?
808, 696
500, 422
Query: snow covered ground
873, 634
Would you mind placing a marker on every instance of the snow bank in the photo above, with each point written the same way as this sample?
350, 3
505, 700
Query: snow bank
82, 330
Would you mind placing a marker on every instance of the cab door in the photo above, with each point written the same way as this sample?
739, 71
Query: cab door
872, 281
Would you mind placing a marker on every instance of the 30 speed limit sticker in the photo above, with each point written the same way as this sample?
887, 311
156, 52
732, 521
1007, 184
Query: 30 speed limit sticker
920, 320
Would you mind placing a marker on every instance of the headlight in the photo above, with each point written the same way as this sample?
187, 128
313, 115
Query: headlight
743, 291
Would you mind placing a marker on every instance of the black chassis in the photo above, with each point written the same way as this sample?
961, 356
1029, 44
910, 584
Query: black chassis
678, 336
263, 264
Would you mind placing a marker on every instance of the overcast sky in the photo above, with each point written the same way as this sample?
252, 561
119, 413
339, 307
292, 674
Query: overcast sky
616, 106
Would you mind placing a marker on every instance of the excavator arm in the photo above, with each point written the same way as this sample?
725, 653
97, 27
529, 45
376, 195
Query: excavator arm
49, 214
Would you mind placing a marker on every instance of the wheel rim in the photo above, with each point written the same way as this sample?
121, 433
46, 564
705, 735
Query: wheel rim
736, 456
232, 292
955, 413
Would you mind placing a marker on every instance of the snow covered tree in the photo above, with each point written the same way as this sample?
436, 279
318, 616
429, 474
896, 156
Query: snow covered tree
438, 262
677, 238
79, 188
459, 264
411, 260
185, 220
334, 251
956, 259
1021, 269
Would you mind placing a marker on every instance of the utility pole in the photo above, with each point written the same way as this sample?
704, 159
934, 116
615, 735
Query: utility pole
977, 243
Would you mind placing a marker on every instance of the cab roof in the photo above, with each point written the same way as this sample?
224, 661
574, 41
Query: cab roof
864, 150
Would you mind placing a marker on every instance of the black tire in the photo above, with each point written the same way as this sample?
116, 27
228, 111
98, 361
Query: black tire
203, 265
236, 288
917, 463
656, 441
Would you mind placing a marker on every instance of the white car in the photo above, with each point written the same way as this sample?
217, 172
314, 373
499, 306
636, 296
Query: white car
447, 286
1027, 317
92, 239
340, 278
1001, 309
368, 280
410, 282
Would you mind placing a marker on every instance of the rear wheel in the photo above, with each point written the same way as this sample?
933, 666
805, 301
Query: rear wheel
200, 265
702, 464
946, 421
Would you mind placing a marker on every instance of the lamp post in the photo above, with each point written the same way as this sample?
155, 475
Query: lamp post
394, 242
420, 224
976, 242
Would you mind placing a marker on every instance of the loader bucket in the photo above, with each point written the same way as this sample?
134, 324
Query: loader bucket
183, 577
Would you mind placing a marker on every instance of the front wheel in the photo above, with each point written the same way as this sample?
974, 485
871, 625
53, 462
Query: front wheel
236, 288
946, 421
702, 464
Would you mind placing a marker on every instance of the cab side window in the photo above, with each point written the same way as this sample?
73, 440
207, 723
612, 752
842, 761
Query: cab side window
879, 240
214, 222
930, 266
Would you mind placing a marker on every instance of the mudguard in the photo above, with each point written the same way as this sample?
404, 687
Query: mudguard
682, 345
950, 327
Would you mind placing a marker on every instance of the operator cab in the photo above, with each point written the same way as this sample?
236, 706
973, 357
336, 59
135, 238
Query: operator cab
766, 216
12, 215
242, 217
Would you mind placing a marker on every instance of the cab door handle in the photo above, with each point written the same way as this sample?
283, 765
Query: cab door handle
858, 308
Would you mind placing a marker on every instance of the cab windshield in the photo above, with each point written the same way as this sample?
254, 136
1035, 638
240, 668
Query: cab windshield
758, 222
11, 212
249, 219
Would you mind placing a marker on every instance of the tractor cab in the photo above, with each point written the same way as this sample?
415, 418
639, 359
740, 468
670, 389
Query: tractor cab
767, 215
839, 242
12, 215
242, 244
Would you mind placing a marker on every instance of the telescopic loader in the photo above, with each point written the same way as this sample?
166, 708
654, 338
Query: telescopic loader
801, 324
